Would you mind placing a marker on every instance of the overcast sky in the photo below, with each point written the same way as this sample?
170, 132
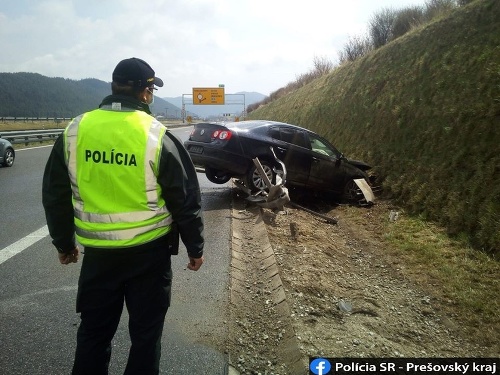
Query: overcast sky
247, 45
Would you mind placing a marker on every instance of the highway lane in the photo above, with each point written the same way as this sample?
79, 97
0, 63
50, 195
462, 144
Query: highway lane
21, 195
38, 322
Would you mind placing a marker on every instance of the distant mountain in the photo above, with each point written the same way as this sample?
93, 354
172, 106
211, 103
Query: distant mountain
34, 95
161, 107
242, 99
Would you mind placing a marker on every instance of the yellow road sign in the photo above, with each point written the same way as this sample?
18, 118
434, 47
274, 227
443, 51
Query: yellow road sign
208, 95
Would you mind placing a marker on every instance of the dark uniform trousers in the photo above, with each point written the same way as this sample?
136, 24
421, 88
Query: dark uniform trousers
142, 279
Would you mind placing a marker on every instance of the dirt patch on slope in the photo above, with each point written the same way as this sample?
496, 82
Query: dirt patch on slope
346, 295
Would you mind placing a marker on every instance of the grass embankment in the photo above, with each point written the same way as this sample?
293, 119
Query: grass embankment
464, 280
424, 110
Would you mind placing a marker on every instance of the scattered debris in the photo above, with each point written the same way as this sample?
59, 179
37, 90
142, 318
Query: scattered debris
294, 230
393, 215
345, 306
328, 219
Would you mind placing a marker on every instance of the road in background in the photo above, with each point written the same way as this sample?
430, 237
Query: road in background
38, 322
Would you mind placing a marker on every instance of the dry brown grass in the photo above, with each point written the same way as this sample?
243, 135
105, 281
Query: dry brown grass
30, 125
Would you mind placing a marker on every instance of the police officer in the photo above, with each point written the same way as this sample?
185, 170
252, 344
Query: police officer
121, 185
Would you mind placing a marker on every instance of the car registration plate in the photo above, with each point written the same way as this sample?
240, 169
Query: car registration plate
196, 149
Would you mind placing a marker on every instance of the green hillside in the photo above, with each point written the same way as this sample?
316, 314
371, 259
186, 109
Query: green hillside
424, 110
35, 95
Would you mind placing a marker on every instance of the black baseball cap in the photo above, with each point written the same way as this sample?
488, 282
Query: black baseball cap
136, 72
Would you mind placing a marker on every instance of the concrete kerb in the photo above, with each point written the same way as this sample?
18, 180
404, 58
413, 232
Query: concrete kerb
252, 254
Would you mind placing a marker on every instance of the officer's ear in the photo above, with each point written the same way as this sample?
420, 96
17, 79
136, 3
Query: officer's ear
144, 95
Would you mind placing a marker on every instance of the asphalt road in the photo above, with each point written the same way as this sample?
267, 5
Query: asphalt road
38, 321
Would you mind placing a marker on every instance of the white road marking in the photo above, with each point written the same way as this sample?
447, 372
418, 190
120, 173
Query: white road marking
11, 250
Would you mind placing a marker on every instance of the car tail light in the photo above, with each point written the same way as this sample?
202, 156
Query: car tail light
192, 133
223, 135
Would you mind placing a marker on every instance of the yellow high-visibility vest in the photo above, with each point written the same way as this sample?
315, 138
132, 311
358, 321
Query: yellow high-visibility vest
113, 158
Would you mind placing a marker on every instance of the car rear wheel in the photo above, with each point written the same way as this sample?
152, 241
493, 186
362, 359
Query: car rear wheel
8, 158
216, 176
253, 179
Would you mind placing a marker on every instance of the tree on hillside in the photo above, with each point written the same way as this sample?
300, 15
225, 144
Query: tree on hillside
322, 65
406, 19
438, 8
356, 47
380, 27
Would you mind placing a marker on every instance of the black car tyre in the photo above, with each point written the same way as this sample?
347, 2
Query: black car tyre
8, 158
352, 192
216, 176
253, 179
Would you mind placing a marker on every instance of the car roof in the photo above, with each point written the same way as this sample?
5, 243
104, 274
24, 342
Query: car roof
254, 124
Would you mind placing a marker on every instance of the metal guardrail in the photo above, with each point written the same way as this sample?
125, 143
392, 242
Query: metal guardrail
31, 136
34, 136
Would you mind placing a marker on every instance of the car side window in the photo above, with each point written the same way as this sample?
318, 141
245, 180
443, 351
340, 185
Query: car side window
293, 137
275, 133
320, 147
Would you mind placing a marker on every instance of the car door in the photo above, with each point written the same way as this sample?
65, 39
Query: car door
326, 171
291, 148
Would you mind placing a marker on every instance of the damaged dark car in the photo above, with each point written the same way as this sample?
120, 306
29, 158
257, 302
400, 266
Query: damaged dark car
227, 150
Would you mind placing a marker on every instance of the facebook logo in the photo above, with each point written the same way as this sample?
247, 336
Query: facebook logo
320, 366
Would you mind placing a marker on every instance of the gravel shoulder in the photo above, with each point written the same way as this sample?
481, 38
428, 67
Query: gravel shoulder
302, 287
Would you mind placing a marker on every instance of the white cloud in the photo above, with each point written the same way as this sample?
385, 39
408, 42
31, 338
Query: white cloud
258, 45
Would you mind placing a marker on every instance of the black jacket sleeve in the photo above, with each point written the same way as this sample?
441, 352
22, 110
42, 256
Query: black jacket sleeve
181, 191
56, 199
